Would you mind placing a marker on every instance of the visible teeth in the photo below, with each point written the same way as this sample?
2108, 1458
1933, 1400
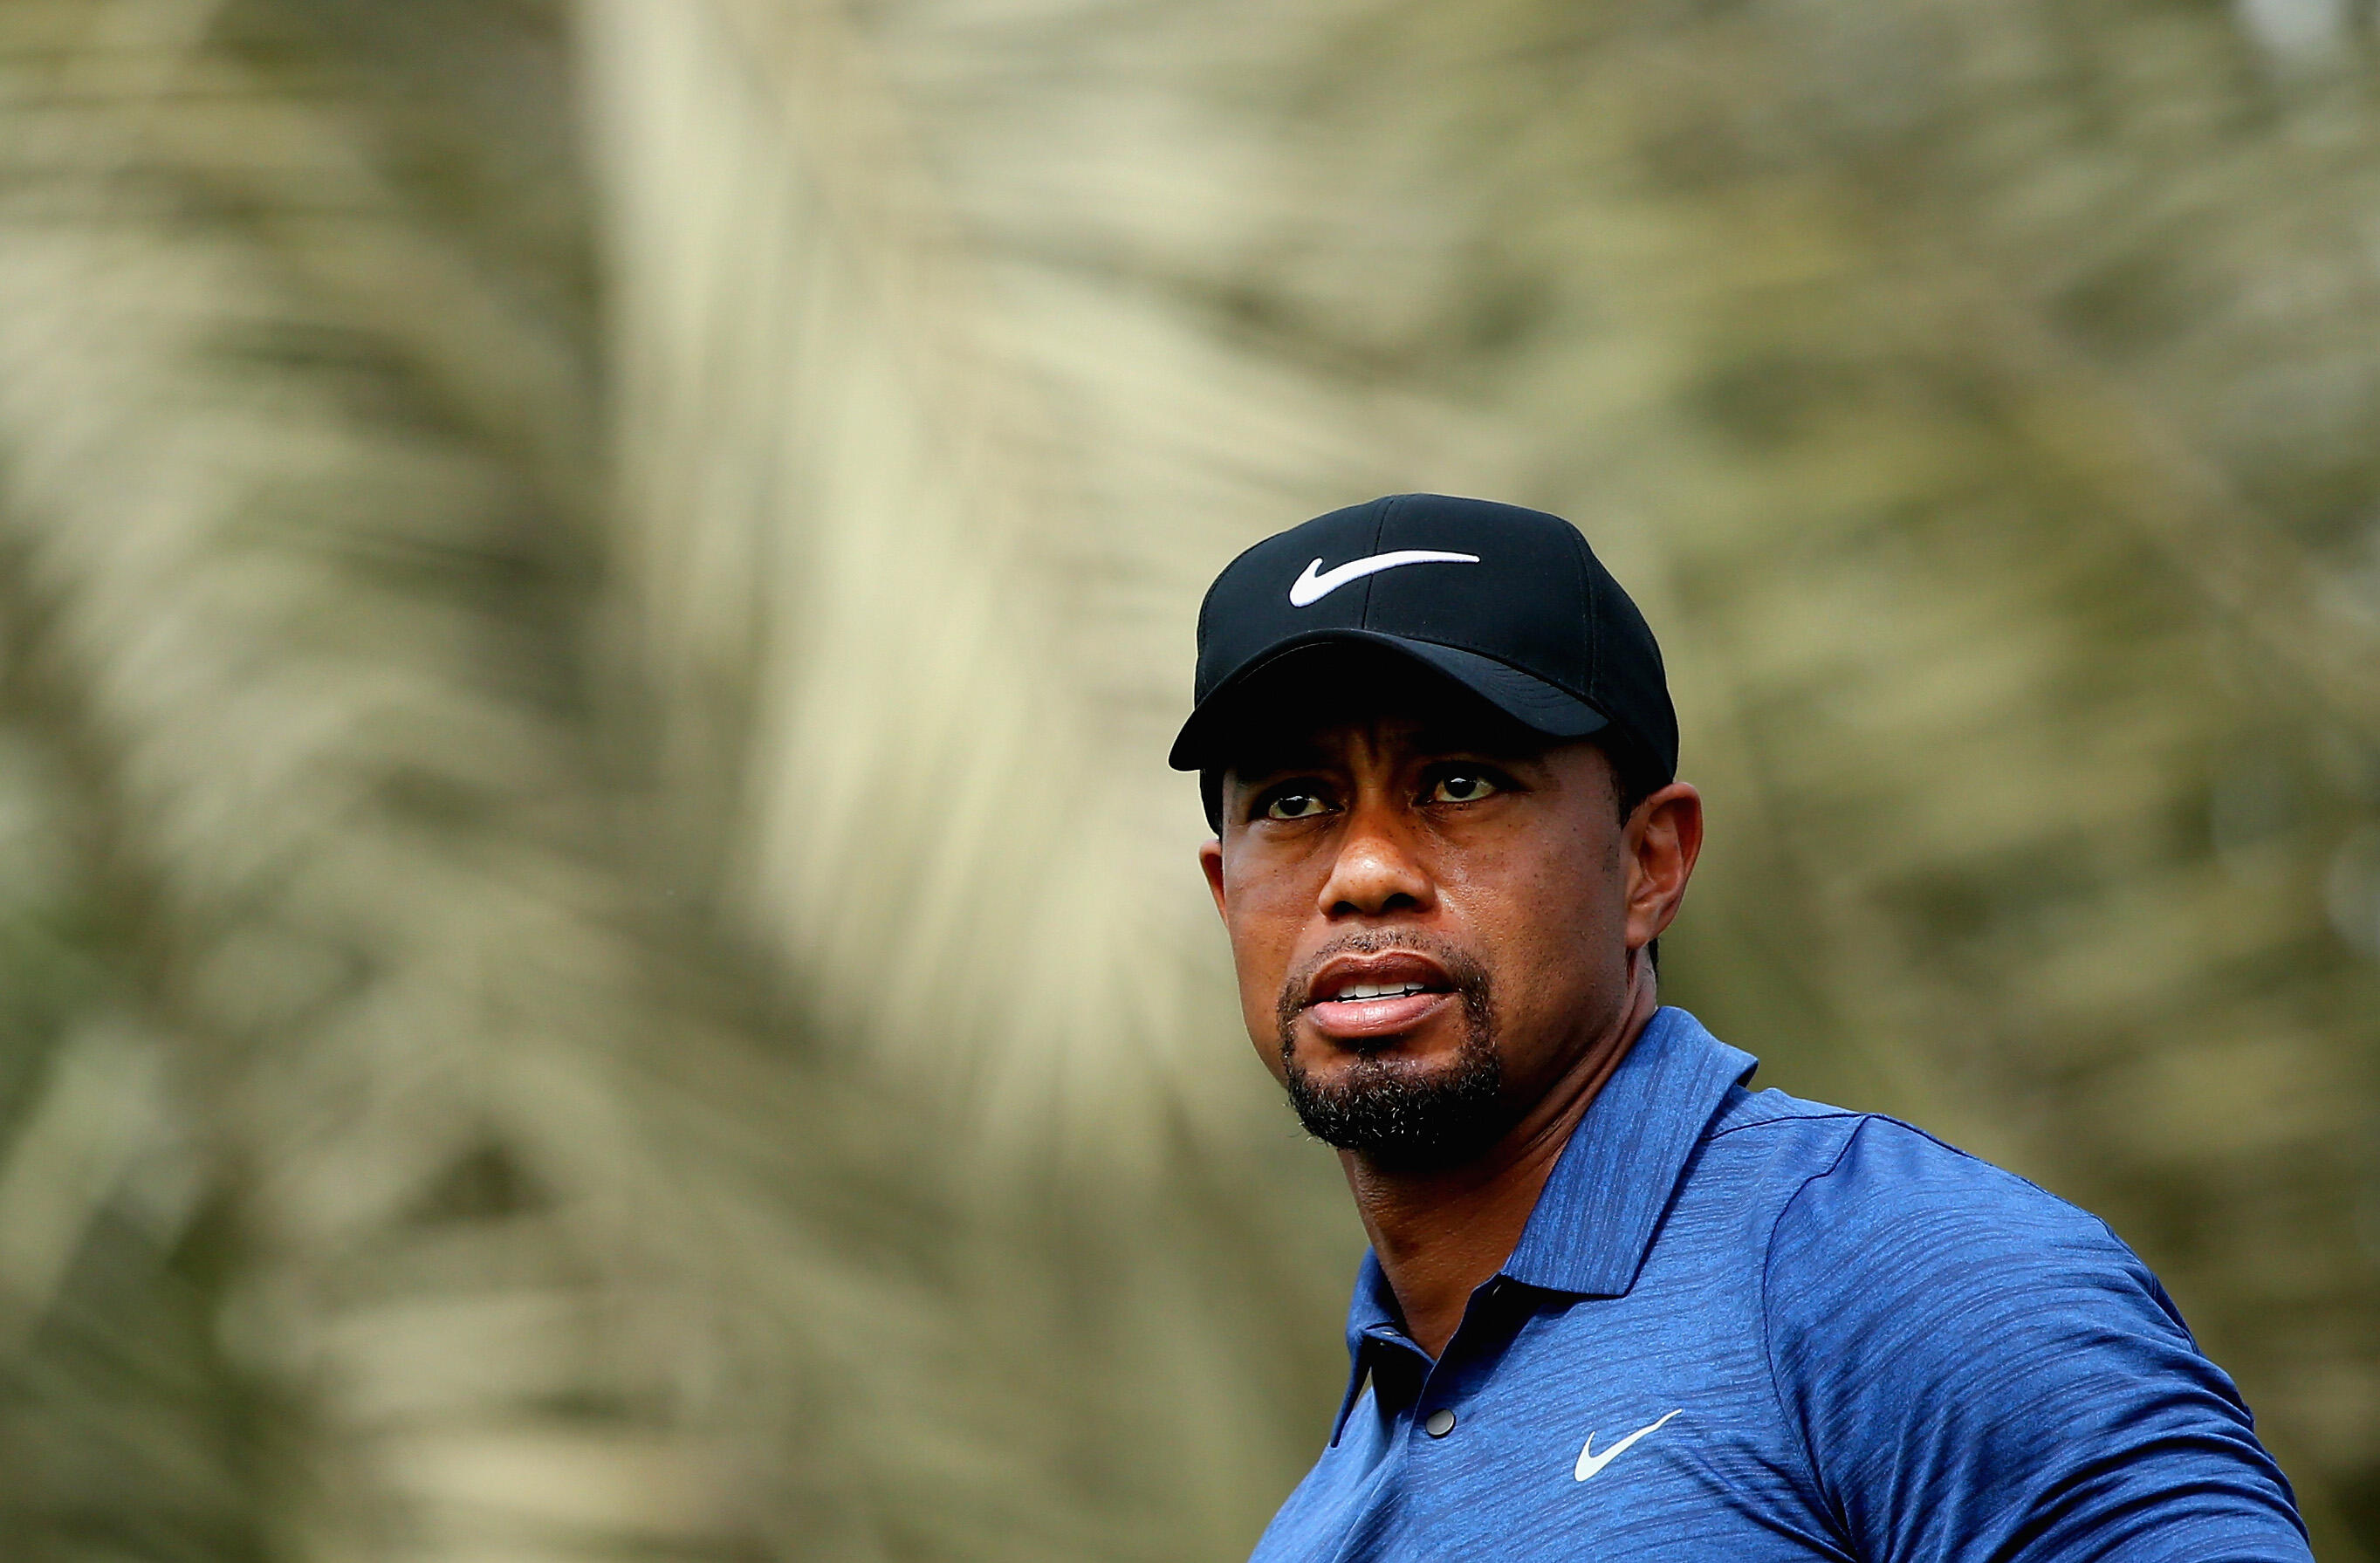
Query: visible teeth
1378, 990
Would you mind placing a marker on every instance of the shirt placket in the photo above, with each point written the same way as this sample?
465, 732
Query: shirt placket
1441, 1435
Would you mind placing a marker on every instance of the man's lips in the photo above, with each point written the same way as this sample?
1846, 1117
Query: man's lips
1361, 999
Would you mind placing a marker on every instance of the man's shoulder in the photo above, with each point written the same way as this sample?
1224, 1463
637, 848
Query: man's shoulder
1850, 1159
1850, 1191
1881, 1239
1967, 1355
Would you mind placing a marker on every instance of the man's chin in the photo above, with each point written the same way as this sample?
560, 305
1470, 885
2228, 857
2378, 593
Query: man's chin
1403, 1111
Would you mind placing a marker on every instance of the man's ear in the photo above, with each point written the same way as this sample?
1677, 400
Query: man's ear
1211, 859
1665, 836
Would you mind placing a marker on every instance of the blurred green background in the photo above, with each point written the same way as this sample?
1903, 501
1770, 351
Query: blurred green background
597, 957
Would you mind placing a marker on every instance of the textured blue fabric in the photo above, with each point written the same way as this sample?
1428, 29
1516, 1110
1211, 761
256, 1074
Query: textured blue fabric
1866, 1345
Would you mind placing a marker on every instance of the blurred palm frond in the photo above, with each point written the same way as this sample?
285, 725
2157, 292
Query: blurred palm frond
599, 956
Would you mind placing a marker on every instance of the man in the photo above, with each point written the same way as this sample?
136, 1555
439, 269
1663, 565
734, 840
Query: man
1617, 1304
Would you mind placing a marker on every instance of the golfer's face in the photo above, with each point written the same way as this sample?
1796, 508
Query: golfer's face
1368, 873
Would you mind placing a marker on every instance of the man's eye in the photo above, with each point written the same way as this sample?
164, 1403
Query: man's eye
1295, 805
1461, 786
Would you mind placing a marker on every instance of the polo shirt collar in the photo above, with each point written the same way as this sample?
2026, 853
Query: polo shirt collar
1595, 1218
1372, 1327
1595, 1221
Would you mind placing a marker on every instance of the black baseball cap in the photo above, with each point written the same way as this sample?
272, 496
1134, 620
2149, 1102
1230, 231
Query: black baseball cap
1509, 603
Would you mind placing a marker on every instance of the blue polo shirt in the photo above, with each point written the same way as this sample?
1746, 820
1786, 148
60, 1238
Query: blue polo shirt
1746, 1327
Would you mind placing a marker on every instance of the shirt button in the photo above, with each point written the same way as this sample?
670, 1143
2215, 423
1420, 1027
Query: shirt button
1440, 1422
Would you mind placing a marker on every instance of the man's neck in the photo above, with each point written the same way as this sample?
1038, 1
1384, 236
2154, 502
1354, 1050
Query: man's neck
1438, 1235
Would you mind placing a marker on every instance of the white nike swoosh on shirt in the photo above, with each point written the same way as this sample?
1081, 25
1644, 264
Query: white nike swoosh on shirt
1312, 588
1589, 1463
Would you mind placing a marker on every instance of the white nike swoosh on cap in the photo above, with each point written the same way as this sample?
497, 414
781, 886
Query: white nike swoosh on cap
1589, 1463
1312, 587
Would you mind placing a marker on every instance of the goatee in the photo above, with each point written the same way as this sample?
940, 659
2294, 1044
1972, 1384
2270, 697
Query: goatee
1399, 1113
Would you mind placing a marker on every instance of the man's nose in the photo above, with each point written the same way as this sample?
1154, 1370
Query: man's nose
1377, 871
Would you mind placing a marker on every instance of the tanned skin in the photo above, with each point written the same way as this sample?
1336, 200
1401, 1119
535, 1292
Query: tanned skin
1507, 852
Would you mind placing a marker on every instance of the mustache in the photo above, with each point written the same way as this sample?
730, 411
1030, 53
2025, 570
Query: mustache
1469, 976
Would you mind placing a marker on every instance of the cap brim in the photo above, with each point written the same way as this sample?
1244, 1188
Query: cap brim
1527, 699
